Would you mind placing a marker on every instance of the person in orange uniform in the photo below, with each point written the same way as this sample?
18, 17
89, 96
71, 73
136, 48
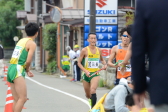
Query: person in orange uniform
118, 52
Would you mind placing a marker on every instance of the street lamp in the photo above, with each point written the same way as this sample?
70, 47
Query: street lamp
15, 38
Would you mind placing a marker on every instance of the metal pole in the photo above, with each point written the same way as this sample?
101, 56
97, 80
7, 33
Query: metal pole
92, 16
58, 49
37, 40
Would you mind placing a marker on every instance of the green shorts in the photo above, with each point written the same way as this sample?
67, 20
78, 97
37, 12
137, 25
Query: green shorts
15, 71
88, 79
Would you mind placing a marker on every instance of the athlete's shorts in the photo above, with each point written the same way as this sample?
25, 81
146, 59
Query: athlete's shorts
15, 71
88, 79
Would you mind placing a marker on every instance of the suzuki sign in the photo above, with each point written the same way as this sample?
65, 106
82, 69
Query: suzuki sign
103, 7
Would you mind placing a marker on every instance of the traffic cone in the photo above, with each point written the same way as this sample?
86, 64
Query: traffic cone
9, 100
5, 73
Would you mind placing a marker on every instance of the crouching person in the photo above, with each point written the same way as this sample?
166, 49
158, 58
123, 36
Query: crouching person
115, 99
133, 108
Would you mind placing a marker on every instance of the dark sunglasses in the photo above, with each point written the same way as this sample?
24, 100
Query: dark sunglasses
125, 36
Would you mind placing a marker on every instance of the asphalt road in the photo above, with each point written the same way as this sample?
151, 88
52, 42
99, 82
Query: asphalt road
49, 93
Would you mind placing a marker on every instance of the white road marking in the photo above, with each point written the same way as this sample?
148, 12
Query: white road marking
84, 101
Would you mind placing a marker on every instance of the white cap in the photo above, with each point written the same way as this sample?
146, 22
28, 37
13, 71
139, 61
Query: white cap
68, 48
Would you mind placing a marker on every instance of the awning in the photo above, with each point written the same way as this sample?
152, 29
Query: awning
72, 13
45, 18
32, 18
73, 22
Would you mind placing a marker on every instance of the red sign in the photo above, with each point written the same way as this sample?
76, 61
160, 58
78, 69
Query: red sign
106, 52
101, 3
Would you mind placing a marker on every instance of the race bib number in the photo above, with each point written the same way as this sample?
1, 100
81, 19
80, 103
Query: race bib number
16, 52
93, 63
128, 68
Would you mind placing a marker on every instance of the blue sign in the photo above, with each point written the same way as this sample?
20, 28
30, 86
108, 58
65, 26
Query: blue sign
103, 29
104, 36
103, 44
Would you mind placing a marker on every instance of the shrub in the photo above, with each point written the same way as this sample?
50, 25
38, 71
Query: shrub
49, 38
51, 67
49, 44
101, 83
130, 18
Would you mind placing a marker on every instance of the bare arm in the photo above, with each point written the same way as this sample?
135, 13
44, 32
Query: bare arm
31, 46
82, 55
150, 110
101, 58
112, 56
128, 55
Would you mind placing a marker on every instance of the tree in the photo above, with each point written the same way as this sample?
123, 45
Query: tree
8, 20
129, 17
49, 44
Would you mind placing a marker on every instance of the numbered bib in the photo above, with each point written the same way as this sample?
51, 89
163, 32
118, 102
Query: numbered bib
93, 62
128, 68
17, 52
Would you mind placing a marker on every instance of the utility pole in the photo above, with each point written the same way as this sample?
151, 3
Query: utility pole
37, 40
39, 10
92, 16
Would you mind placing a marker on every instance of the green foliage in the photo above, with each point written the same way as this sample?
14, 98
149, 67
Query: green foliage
101, 83
51, 67
8, 20
50, 58
130, 18
49, 38
49, 44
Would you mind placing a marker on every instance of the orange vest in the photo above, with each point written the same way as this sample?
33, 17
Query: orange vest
119, 57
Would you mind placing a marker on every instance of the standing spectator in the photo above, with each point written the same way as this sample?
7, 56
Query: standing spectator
77, 71
1, 60
150, 36
71, 55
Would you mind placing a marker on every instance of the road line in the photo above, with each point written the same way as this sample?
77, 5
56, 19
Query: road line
84, 101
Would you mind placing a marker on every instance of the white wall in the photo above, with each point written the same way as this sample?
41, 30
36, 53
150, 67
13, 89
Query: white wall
27, 5
67, 3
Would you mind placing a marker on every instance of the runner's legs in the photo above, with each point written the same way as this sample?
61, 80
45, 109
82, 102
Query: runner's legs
20, 89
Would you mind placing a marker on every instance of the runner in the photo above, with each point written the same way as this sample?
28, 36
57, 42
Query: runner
19, 64
119, 52
90, 57
126, 60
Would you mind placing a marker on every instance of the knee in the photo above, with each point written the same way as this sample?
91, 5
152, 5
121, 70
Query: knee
15, 99
92, 90
23, 99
